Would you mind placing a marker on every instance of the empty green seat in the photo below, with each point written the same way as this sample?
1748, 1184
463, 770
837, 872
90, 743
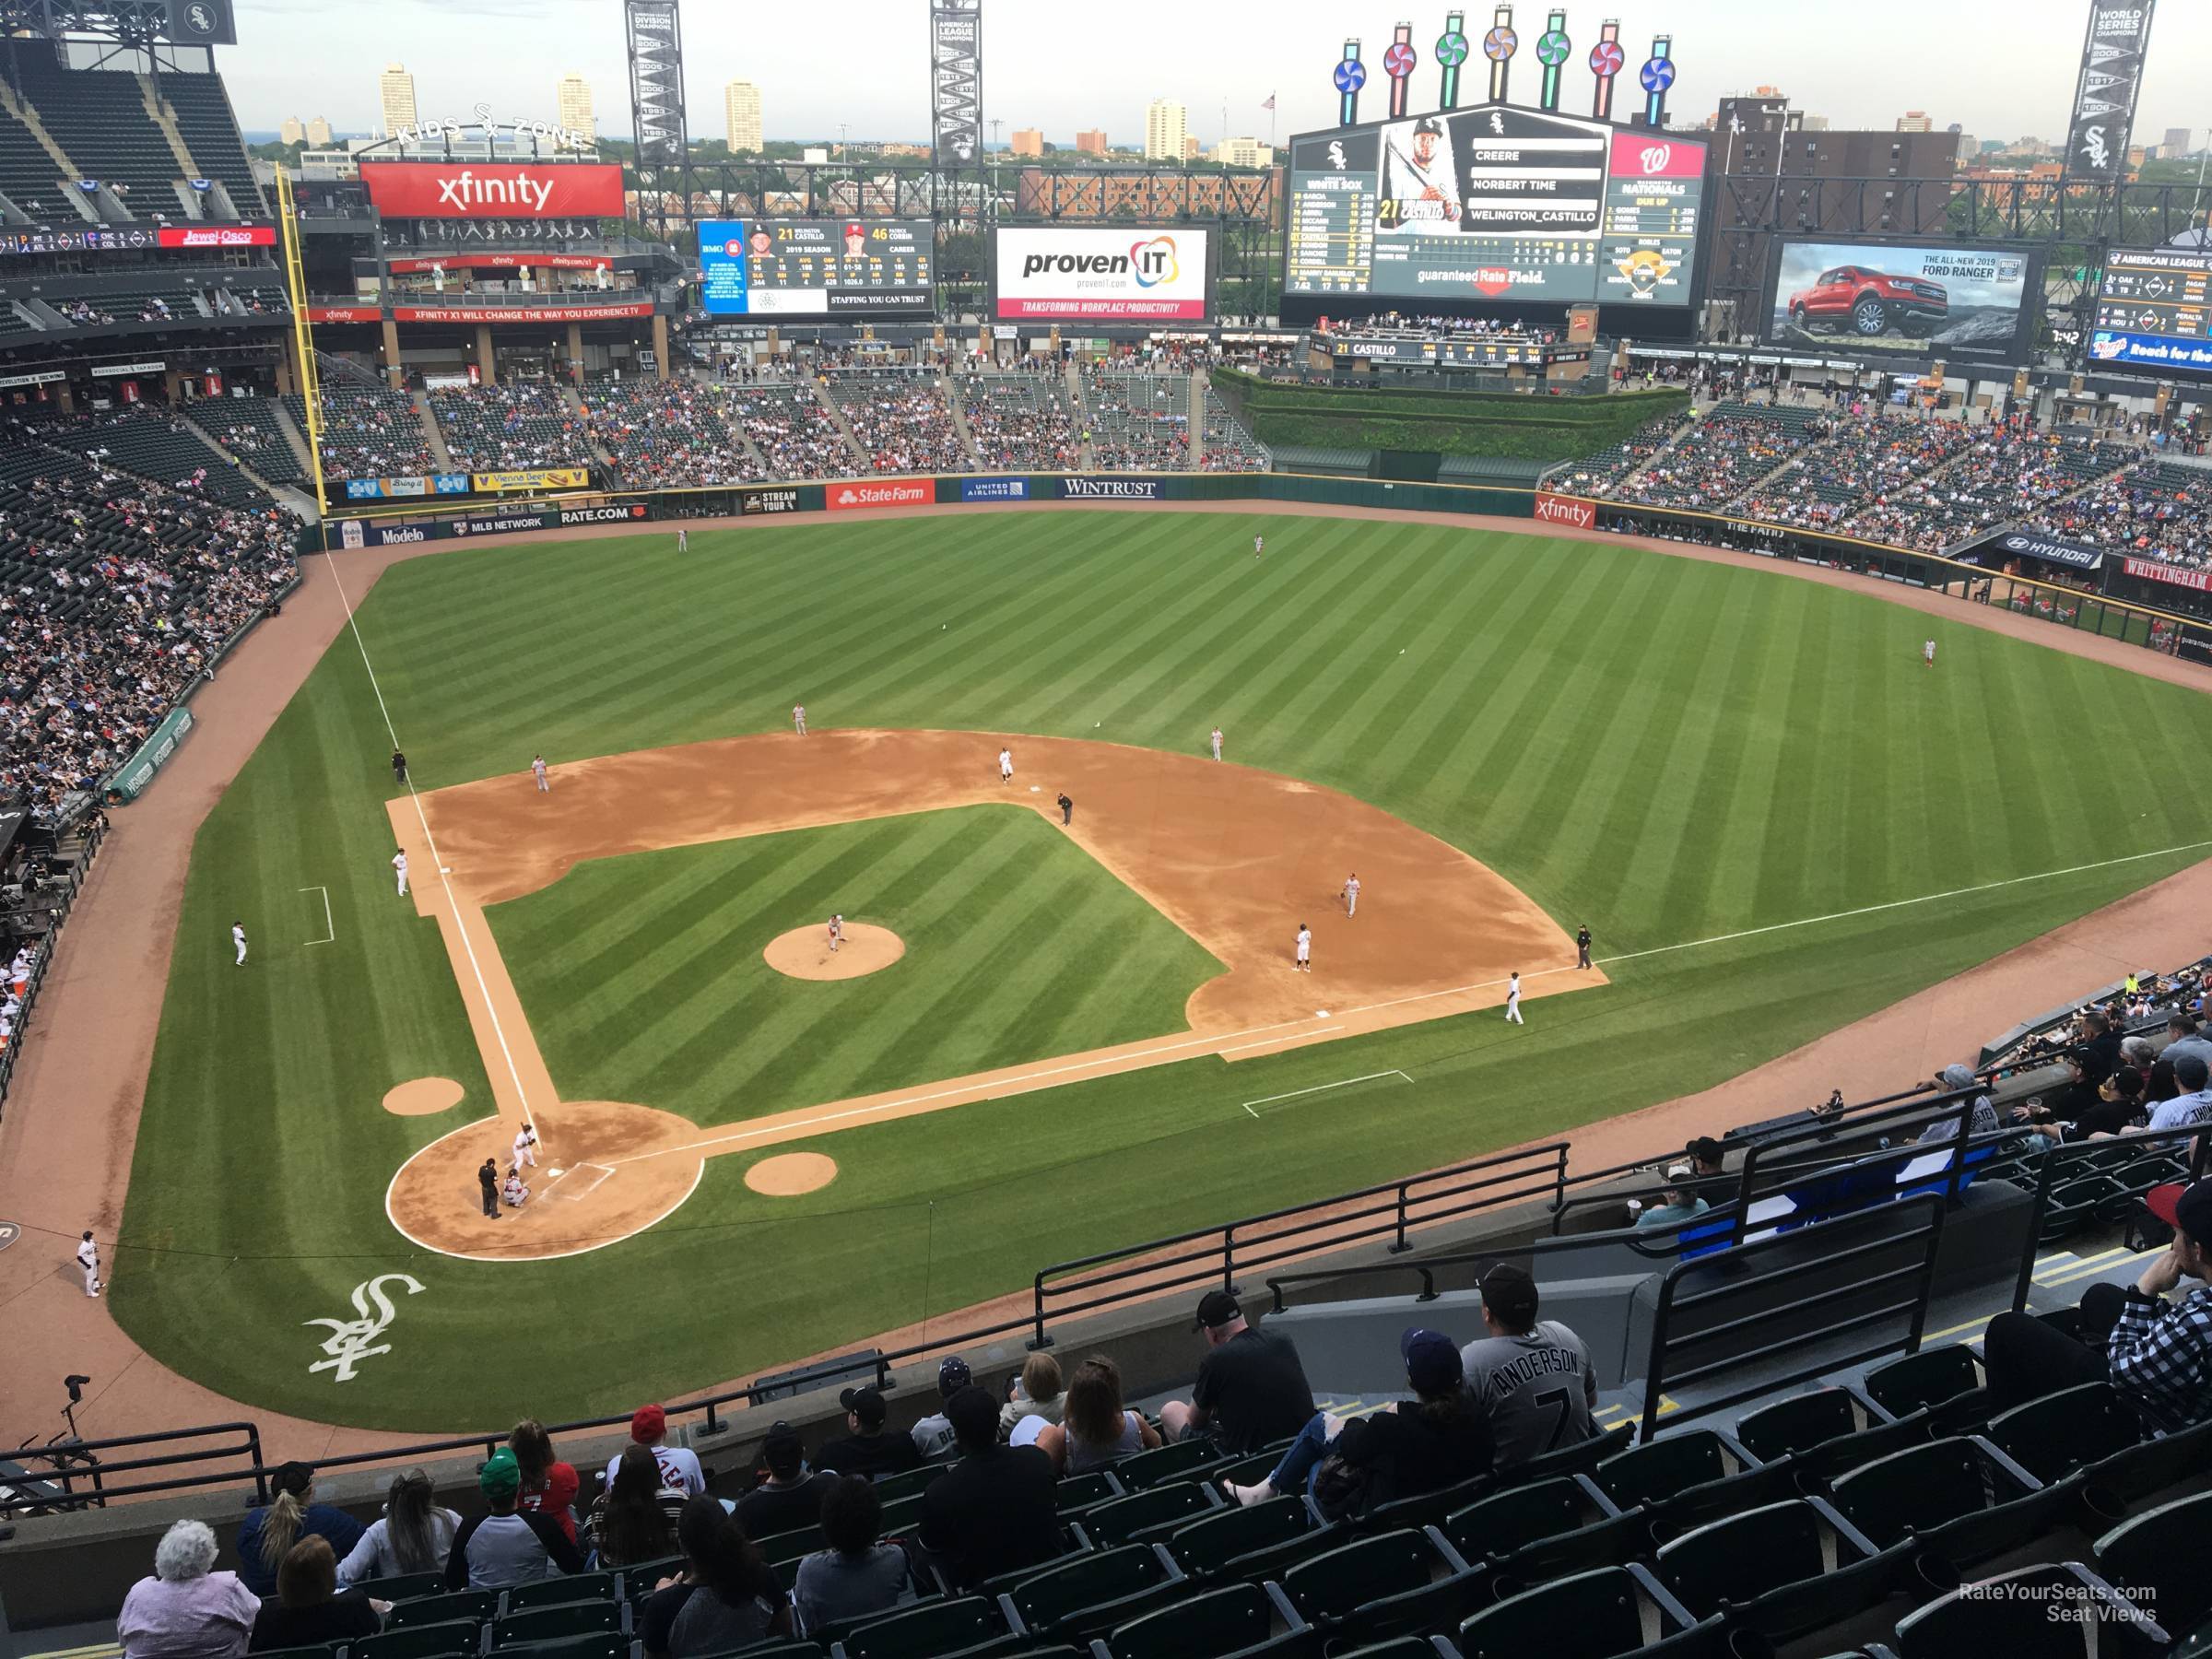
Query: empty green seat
1391, 1584
1182, 1460
407, 1586
2060, 1432
1932, 1377
909, 1483
1080, 1491
565, 1618
2009, 1616
1802, 1422
2113, 1484
1781, 1571
1656, 1472
2157, 1560
457, 1639
1570, 1460
1228, 1620
1961, 1498
442, 1610
1497, 1526
1599, 1615
547, 1592
919, 1633
602, 1645
1121, 1519
1089, 1593
1236, 1542
790, 1546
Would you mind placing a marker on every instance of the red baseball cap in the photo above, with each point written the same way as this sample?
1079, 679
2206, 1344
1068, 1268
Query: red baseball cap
2185, 1208
647, 1424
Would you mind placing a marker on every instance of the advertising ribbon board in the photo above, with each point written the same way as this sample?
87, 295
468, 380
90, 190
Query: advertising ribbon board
2157, 569
1110, 490
131, 779
909, 492
533, 477
994, 489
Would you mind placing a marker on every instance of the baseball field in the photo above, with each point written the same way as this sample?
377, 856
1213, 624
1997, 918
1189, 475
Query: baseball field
1773, 817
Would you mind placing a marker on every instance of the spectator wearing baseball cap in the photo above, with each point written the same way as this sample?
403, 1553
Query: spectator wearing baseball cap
679, 1464
1432, 1441
504, 1545
932, 1434
1679, 1201
790, 1497
1531, 1380
870, 1449
994, 1510
2194, 1105
2156, 1353
1252, 1388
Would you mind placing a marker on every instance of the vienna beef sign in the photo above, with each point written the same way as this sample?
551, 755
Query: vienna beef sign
494, 190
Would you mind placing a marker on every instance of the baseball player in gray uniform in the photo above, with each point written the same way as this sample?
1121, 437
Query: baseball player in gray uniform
1531, 1378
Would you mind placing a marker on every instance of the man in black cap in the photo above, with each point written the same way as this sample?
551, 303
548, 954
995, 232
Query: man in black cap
869, 1450
790, 1497
1252, 1389
994, 1510
1582, 946
1531, 1378
487, 1178
2156, 1353
1067, 810
932, 1434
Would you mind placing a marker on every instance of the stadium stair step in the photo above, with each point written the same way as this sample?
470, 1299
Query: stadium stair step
960, 422
844, 427
209, 438
22, 108
431, 434
165, 119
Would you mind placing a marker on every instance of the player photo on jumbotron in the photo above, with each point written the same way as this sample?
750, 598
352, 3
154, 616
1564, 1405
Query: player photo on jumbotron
1420, 188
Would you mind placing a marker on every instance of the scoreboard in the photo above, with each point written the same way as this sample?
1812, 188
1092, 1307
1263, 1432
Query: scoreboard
2155, 311
800, 269
1495, 204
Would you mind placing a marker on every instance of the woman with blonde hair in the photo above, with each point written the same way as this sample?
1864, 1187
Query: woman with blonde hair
268, 1533
1037, 1394
414, 1534
1095, 1429
549, 1486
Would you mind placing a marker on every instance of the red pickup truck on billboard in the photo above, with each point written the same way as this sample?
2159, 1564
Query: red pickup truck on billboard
1870, 302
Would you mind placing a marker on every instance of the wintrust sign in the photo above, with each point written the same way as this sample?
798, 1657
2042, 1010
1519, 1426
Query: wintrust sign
1565, 510
487, 189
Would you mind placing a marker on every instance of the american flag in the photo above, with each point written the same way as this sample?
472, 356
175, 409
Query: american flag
1270, 103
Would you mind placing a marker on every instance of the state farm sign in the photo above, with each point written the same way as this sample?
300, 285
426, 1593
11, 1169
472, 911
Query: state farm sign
493, 190
1565, 510
911, 492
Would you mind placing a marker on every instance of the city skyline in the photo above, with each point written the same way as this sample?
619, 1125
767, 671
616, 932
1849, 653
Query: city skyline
510, 55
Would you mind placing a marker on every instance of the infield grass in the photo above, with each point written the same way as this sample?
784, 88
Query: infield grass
1668, 750
643, 977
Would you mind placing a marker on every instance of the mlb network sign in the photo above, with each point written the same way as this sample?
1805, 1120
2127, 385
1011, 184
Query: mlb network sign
1103, 275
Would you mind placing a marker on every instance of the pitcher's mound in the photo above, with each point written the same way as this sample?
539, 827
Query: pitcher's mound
804, 953
788, 1174
424, 1097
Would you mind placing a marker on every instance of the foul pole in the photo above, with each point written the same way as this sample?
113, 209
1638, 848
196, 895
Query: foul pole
303, 338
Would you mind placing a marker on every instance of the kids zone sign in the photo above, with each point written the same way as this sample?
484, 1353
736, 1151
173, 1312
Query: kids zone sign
1102, 274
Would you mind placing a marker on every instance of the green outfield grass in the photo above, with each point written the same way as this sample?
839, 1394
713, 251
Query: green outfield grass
635, 971
1668, 750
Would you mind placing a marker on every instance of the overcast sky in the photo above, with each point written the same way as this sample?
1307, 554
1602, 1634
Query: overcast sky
2001, 70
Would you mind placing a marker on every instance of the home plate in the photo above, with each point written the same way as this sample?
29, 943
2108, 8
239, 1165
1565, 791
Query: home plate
557, 1174
1320, 1013
1036, 789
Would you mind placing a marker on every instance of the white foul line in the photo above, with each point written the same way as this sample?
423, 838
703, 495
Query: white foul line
329, 929
521, 1094
1320, 1087
1293, 1030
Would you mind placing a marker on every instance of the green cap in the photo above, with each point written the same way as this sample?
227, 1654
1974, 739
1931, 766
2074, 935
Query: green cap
500, 1477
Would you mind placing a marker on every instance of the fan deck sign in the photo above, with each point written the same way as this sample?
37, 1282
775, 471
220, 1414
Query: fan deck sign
494, 190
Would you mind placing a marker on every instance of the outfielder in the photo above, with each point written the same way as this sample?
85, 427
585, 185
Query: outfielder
525, 1146
1512, 998
537, 771
1216, 743
798, 718
1352, 895
683, 541
1259, 546
1302, 961
1005, 766
88, 1257
238, 938
399, 864
1928, 654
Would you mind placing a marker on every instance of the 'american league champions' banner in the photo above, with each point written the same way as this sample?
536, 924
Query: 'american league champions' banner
2105, 98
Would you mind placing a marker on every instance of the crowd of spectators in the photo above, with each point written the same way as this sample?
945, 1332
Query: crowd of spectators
667, 434
2009, 473
2153, 510
1485, 328
1226, 445
1726, 453
248, 428
516, 424
1021, 422
1137, 421
901, 422
115, 593
1597, 474
794, 430
367, 432
1857, 468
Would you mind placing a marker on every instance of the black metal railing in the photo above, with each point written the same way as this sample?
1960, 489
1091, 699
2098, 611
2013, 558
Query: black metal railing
78, 1477
2063, 1165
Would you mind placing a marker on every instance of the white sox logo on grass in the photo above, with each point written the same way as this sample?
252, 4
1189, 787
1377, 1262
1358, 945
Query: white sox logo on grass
354, 1340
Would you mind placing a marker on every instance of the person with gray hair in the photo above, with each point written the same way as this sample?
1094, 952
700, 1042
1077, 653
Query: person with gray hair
186, 1610
1982, 1119
2138, 1052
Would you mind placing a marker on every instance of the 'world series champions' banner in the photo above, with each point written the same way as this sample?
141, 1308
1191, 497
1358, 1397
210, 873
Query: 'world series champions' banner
2104, 97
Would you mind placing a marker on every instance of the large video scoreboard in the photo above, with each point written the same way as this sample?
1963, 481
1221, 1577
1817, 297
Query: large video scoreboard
1495, 204
849, 267
2155, 311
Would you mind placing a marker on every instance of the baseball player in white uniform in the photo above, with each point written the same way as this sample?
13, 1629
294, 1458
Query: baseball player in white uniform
1512, 998
88, 1257
1351, 894
1005, 766
537, 771
399, 863
1216, 743
798, 718
525, 1146
1302, 961
1928, 654
238, 938
683, 541
1259, 546
837, 932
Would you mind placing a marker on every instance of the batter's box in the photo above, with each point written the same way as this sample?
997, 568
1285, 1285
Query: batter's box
579, 1181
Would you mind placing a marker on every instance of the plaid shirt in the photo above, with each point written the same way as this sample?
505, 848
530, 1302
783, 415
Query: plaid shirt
2162, 1357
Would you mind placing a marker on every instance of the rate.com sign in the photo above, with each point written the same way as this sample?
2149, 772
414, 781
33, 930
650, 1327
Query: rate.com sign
1103, 275
913, 492
494, 189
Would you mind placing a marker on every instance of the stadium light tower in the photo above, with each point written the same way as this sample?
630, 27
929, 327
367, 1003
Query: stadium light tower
656, 105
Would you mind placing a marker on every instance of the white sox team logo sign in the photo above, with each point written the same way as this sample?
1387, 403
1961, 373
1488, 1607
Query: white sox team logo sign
354, 1340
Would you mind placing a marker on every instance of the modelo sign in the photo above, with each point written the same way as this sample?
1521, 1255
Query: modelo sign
494, 190
1104, 274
